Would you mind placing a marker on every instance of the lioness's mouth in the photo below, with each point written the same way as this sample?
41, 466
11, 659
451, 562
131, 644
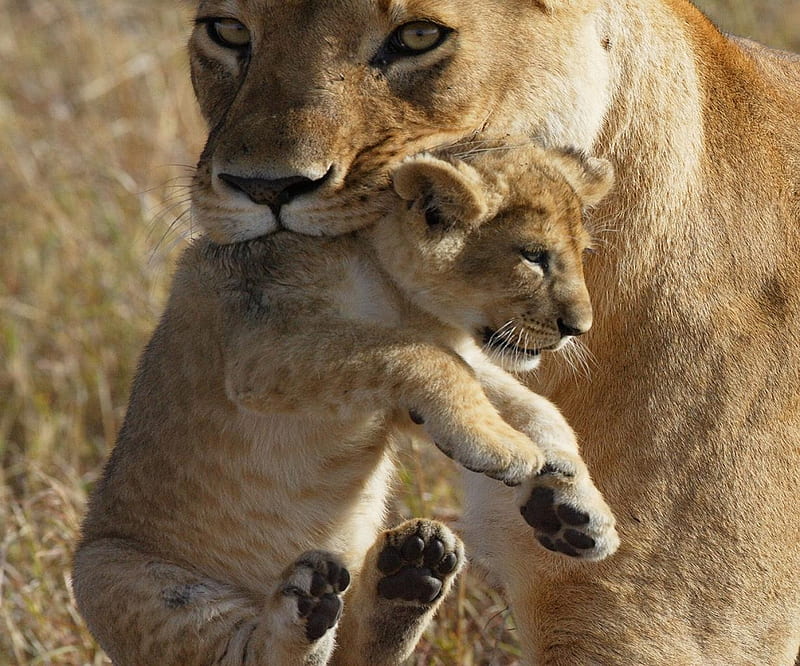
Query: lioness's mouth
498, 342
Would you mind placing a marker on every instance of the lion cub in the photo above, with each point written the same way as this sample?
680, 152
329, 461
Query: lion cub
248, 483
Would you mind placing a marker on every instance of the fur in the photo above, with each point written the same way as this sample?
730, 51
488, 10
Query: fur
256, 455
691, 421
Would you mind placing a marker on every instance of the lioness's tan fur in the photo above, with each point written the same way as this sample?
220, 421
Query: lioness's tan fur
691, 418
257, 450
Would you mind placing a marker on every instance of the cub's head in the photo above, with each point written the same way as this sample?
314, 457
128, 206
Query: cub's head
495, 246
311, 103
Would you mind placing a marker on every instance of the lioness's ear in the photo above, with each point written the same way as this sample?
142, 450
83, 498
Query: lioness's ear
456, 190
591, 177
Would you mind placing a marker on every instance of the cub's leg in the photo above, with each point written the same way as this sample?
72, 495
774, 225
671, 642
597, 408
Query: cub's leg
560, 502
407, 573
143, 610
345, 368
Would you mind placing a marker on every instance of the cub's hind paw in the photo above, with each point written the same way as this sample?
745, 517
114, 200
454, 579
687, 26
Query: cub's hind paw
569, 515
316, 582
418, 561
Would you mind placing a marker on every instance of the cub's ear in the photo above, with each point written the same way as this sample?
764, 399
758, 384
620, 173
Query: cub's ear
453, 191
591, 177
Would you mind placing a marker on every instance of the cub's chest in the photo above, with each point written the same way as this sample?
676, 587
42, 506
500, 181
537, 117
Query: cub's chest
364, 294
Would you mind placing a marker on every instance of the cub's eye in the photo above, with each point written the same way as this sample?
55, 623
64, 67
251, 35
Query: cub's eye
228, 33
537, 257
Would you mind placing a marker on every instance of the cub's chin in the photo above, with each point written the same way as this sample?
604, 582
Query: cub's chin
507, 354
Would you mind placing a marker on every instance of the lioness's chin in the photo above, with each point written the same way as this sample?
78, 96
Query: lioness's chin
235, 226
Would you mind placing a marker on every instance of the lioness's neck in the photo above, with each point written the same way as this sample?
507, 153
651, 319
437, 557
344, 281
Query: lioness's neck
674, 78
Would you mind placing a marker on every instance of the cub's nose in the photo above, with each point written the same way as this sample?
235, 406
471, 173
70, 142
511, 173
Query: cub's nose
576, 327
272, 193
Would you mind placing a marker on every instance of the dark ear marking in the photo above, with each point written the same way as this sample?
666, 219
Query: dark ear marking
433, 216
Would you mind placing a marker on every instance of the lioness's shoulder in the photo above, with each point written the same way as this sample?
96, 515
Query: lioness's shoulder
778, 70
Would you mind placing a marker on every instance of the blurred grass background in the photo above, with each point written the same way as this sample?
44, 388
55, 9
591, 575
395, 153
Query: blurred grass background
98, 132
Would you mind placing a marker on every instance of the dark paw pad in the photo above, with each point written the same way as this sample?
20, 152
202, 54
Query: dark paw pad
318, 598
415, 569
558, 527
411, 584
539, 511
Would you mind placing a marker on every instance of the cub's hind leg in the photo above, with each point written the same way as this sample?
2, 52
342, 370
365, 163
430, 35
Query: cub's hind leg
407, 573
144, 610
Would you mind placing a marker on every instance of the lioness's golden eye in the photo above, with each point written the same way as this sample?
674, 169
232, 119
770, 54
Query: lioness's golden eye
229, 33
418, 36
412, 39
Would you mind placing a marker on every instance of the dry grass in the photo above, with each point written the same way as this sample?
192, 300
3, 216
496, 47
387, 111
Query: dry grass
773, 22
96, 119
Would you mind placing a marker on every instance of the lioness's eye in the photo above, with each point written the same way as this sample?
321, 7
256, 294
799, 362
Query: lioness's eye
418, 36
411, 39
228, 33
536, 256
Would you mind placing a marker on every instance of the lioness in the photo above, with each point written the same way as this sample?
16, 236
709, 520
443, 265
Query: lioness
691, 419
249, 479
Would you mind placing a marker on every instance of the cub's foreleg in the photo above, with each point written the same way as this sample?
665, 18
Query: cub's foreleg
406, 575
346, 369
560, 502
144, 610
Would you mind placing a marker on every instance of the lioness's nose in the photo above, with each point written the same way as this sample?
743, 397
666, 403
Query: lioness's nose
272, 193
576, 327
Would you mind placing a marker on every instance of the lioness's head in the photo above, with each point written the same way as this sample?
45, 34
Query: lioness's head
310, 103
495, 246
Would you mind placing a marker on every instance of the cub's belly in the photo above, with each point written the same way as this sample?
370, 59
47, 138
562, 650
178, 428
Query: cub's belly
261, 510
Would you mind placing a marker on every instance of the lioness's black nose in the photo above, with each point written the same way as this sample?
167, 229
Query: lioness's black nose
571, 328
272, 193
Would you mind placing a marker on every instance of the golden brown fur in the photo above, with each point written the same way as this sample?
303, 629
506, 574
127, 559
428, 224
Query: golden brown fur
256, 454
690, 420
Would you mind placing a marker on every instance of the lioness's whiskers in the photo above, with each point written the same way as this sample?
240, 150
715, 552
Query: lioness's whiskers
488, 149
175, 224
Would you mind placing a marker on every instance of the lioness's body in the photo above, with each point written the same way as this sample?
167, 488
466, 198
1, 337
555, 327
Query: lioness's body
691, 418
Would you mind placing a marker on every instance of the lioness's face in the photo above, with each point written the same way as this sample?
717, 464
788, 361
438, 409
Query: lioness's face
310, 103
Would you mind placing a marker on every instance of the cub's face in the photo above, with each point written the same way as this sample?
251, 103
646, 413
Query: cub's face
311, 103
495, 247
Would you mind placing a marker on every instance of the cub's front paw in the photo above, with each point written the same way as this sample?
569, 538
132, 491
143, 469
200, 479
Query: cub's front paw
568, 514
419, 561
488, 446
316, 582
